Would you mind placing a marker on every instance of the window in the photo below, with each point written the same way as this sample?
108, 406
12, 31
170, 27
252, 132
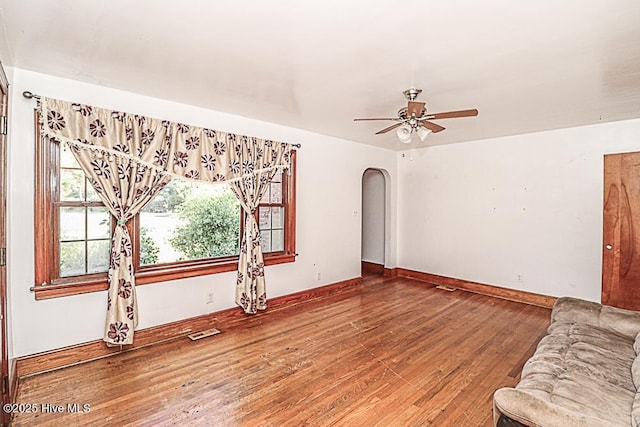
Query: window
189, 229
271, 213
81, 223
189, 221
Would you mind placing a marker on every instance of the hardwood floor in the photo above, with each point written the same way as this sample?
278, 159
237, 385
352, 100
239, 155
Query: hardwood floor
391, 352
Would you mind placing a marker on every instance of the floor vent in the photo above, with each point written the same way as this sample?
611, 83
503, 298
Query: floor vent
446, 288
203, 334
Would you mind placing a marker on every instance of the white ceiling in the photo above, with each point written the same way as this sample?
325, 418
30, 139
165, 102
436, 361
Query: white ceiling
316, 65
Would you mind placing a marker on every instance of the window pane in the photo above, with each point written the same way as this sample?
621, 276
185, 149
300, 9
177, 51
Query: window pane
72, 258
265, 241
92, 196
98, 223
277, 240
71, 185
98, 256
266, 196
276, 192
156, 233
277, 177
264, 218
67, 160
189, 221
277, 217
72, 223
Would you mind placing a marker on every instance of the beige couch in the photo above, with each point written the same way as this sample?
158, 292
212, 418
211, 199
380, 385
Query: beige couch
585, 372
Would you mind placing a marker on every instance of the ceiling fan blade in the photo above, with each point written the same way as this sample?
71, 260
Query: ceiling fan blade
453, 114
415, 108
432, 126
385, 130
377, 118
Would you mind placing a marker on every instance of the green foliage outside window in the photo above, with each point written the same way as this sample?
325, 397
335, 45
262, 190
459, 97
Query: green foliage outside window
148, 249
211, 226
171, 197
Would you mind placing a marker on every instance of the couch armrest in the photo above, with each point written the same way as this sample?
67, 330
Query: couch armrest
573, 310
531, 411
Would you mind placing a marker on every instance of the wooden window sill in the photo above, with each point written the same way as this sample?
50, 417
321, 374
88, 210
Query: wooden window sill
150, 275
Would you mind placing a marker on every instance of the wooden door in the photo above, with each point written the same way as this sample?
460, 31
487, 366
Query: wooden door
4, 110
621, 231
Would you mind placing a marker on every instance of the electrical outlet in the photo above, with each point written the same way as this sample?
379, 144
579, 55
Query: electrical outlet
318, 275
210, 298
518, 278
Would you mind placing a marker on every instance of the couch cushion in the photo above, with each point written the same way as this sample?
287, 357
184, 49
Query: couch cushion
626, 322
532, 411
635, 368
588, 350
635, 411
584, 369
635, 372
573, 310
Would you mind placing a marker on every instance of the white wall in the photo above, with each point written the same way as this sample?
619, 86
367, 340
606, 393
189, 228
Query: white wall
328, 219
373, 212
522, 212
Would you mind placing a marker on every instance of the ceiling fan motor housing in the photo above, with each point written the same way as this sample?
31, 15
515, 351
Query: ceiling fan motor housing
402, 113
412, 94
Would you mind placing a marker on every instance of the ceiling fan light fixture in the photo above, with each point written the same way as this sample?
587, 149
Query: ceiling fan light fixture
404, 134
414, 117
423, 132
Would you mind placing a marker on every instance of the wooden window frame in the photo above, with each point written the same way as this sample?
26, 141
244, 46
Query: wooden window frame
288, 226
48, 285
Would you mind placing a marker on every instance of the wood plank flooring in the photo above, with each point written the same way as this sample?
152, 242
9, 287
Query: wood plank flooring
392, 352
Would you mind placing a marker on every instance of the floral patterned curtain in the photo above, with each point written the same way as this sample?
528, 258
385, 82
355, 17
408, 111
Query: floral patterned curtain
250, 288
129, 158
125, 187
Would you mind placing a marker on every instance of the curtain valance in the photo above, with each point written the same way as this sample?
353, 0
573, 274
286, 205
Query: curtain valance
176, 149
128, 158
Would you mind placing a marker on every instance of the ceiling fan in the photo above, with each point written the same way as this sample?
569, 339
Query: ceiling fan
414, 117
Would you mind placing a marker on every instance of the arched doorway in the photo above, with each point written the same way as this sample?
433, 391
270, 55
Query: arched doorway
374, 217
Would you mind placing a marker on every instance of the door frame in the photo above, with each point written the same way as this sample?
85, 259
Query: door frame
7, 396
387, 217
